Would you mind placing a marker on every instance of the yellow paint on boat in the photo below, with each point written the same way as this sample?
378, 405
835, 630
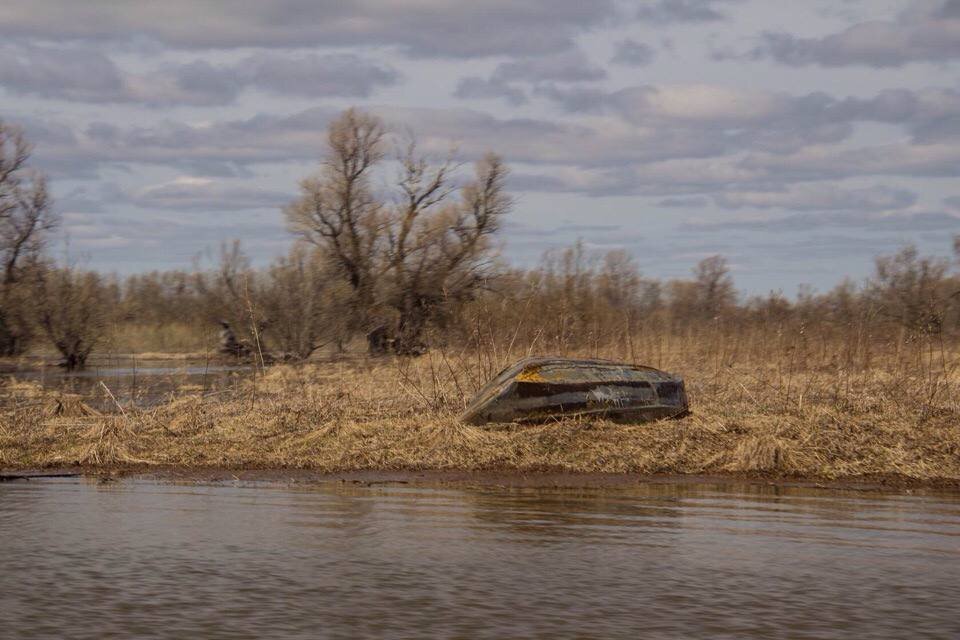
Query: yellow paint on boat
530, 374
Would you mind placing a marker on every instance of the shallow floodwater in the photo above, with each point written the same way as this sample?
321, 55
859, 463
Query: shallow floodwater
137, 559
130, 382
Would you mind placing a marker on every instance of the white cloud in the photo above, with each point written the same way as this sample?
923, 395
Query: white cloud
697, 103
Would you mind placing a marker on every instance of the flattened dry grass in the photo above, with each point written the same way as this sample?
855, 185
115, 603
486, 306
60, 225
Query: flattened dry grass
402, 415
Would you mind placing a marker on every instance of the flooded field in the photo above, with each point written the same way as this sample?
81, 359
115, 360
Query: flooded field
130, 381
141, 559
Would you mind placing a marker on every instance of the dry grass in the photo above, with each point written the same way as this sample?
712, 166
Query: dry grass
764, 416
167, 339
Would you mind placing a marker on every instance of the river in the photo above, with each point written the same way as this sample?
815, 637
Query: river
144, 559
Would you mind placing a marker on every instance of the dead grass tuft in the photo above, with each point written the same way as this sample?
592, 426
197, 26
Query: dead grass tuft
761, 452
67, 405
108, 442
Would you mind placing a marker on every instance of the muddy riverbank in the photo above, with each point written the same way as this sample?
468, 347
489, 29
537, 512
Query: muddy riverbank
487, 478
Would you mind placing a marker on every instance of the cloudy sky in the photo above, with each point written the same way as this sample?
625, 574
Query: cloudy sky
798, 139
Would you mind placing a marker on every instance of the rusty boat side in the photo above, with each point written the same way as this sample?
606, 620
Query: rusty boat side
544, 388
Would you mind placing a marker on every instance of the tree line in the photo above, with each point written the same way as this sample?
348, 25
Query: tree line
412, 266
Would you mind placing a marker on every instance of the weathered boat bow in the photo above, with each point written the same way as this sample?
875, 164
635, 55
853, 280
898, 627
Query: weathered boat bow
539, 389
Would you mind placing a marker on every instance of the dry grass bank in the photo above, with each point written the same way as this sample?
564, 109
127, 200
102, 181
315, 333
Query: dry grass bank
821, 420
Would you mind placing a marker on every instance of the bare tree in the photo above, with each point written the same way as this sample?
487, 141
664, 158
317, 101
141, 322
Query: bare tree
912, 290
619, 281
411, 258
338, 211
713, 286
72, 309
438, 251
26, 217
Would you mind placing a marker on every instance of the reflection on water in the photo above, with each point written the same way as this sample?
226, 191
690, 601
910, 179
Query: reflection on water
137, 559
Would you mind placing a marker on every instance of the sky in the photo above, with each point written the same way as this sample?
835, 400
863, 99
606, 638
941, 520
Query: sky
799, 140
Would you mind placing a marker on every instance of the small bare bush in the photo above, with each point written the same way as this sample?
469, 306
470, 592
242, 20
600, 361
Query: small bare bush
73, 311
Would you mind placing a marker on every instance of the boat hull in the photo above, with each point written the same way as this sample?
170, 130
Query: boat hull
543, 389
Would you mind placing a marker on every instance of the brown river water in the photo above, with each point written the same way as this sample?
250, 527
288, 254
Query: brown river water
141, 559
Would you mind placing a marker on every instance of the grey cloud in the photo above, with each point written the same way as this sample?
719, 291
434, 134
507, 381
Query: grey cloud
800, 256
900, 222
774, 121
672, 11
542, 141
633, 54
315, 75
261, 138
588, 228
520, 181
54, 147
87, 76
80, 200
716, 117
716, 104
569, 66
682, 147
931, 115
765, 171
220, 149
161, 240
198, 84
935, 115
950, 10
698, 104
683, 177
574, 99
475, 87
683, 202
518, 230
438, 28
825, 163
929, 33
759, 179
819, 197
590, 182
838, 245
215, 168
543, 72
953, 202
66, 73
44, 132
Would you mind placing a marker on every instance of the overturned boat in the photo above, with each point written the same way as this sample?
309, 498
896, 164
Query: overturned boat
540, 389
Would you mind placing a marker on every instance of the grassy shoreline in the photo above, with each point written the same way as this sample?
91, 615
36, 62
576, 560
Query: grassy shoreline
388, 415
